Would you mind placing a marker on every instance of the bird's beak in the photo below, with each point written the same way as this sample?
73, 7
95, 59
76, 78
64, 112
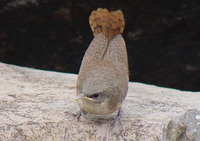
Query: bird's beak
82, 96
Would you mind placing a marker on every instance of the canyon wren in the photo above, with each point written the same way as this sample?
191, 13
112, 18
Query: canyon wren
103, 77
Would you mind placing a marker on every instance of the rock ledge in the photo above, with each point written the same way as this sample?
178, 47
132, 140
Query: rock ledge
39, 105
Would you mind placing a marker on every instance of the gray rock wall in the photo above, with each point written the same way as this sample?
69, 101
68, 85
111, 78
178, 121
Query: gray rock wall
162, 38
38, 105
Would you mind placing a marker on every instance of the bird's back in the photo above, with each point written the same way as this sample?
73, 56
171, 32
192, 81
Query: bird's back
105, 63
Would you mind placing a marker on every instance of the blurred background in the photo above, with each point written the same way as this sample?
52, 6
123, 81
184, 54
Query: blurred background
162, 37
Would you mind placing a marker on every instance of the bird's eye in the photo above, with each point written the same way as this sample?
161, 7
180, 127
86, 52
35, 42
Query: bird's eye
94, 96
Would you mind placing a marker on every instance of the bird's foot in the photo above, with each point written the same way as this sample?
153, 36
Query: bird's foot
80, 113
118, 119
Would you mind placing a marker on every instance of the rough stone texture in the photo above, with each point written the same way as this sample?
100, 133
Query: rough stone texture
39, 105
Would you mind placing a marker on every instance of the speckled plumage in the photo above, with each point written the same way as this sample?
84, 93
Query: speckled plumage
104, 68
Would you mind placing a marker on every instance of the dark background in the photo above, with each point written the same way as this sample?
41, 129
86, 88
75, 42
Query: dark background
162, 37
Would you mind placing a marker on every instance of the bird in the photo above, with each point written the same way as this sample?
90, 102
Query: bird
102, 82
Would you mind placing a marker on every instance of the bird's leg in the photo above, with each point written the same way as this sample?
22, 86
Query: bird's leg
80, 113
118, 118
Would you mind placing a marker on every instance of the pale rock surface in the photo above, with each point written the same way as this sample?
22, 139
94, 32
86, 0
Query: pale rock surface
38, 105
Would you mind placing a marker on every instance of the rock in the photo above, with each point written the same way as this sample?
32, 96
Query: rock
162, 38
16, 4
39, 105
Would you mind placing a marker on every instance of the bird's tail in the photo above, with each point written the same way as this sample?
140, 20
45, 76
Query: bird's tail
110, 23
